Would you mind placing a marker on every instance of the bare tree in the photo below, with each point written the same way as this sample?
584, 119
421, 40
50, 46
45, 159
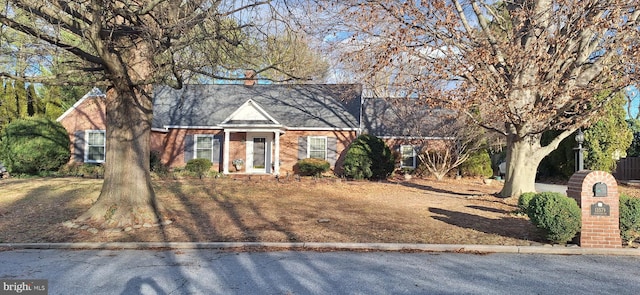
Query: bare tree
128, 46
518, 68
452, 150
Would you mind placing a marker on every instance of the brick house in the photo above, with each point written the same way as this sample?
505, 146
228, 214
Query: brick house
268, 127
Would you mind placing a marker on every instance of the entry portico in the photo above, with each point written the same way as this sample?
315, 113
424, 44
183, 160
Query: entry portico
262, 139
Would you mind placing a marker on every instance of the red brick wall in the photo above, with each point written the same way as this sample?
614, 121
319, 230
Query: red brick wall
597, 231
289, 147
88, 115
171, 145
158, 140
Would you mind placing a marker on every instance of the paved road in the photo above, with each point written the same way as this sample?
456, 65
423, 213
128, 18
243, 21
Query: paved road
556, 188
217, 272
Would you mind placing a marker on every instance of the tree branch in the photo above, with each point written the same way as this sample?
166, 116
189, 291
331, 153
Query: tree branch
35, 33
57, 80
53, 17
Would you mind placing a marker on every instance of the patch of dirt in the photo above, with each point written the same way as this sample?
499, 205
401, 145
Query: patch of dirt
452, 211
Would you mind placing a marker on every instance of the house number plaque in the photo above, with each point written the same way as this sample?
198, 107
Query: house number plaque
600, 209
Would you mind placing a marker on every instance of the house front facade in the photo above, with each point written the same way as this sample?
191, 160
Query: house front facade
249, 129
265, 129
407, 126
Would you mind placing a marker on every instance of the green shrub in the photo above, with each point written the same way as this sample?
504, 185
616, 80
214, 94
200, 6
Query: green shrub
34, 145
69, 169
478, 164
198, 166
313, 167
523, 201
357, 164
82, 170
629, 218
156, 165
92, 170
368, 157
558, 216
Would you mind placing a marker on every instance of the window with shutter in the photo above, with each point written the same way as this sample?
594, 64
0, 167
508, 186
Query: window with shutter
317, 148
204, 147
95, 151
408, 153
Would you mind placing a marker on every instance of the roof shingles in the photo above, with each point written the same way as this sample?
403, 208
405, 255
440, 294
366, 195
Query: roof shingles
294, 106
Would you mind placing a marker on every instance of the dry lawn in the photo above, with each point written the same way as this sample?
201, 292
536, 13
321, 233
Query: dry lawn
227, 210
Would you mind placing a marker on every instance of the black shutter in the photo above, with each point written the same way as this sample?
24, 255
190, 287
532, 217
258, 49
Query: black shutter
302, 147
415, 156
78, 146
216, 149
332, 150
188, 148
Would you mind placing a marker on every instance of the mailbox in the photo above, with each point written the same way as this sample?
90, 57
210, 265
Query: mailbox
600, 189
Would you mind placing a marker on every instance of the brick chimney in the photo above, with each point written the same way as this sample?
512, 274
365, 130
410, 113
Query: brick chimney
250, 75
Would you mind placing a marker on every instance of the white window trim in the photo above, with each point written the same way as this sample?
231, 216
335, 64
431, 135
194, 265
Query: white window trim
195, 145
413, 154
326, 148
86, 146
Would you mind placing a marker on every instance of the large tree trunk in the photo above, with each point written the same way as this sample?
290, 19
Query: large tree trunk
523, 158
524, 154
127, 197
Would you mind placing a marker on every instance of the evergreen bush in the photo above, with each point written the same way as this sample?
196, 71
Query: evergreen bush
558, 216
313, 167
34, 145
629, 218
357, 164
478, 164
523, 201
156, 165
198, 166
368, 157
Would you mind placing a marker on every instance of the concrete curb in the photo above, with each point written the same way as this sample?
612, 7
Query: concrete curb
455, 248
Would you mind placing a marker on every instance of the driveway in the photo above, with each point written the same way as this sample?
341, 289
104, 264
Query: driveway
556, 188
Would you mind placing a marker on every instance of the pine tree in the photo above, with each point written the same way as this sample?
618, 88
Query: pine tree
20, 94
608, 138
34, 105
53, 104
8, 106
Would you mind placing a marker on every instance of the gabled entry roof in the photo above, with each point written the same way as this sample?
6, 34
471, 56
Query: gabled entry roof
316, 106
250, 113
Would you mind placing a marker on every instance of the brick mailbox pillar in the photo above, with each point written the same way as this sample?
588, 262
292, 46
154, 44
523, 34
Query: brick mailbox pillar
597, 194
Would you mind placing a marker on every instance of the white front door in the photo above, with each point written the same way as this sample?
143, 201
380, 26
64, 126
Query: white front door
259, 152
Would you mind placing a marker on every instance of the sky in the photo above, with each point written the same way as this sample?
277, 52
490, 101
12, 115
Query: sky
633, 101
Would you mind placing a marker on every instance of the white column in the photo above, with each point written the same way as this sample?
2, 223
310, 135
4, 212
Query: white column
276, 153
225, 153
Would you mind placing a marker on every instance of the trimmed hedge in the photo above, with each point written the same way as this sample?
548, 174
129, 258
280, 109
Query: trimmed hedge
313, 167
558, 216
34, 145
629, 218
198, 166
